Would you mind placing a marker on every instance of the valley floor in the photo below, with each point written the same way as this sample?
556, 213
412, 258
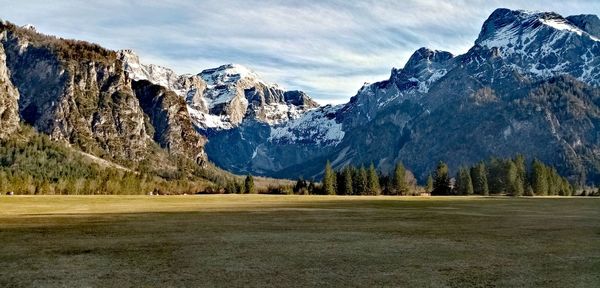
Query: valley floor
298, 241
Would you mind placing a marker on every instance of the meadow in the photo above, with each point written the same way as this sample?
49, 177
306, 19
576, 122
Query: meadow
298, 241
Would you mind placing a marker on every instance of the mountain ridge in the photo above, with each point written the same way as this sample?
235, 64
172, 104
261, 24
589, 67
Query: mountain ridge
530, 77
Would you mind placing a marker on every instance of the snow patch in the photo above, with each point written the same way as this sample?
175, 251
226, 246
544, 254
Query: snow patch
317, 126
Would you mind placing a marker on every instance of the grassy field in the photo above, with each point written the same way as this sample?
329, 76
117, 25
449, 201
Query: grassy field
298, 241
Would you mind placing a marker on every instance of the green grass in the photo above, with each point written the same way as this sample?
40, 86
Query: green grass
298, 241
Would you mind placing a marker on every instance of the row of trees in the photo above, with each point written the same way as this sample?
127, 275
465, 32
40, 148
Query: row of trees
353, 180
501, 176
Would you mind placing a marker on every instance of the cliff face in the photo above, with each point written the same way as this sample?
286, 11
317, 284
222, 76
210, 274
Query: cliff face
78, 93
9, 97
172, 128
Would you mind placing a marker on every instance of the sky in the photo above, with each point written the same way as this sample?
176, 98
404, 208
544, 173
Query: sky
327, 48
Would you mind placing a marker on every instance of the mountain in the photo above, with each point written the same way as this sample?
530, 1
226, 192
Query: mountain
222, 98
79, 94
528, 85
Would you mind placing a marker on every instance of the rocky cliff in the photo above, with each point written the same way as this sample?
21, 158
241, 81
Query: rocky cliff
222, 98
78, 93
9, 97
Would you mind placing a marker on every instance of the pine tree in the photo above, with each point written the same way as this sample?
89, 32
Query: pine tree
521, 173
539, 180
514, 186
497, 176
429, 185
373, 181
441, 180
400, 185
329, 180
464, 182
249, 184
479, 178
360, 180
346, 188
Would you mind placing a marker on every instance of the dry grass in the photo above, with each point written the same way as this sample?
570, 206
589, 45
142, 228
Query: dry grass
280, 241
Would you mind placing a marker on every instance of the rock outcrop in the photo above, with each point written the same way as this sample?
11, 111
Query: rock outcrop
9, 97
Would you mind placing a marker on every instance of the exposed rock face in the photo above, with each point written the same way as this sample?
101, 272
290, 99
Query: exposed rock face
172, 127
79, 93
222, 98
9, 97
587, 23
86, 101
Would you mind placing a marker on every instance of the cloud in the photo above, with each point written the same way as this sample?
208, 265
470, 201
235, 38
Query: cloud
326, 48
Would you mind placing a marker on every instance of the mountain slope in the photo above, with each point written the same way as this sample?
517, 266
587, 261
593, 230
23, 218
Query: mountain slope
528, 85
79, 94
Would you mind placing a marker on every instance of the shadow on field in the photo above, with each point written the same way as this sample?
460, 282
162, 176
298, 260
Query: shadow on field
277, 242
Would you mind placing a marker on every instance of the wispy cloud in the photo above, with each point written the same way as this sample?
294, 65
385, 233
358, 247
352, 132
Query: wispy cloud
326, 48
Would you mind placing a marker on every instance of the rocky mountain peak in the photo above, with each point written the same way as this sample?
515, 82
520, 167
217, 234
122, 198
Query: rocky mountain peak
505, 28
156, 74
229, 74
425, 57
587, 22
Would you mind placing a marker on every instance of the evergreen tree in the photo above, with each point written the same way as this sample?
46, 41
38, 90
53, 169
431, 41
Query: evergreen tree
497, 176
514, 186
553, 180
441, 180
479, 178
329, 180
521, 174
360, 180
346, 188
464, 182
400, 185
249, 184
539, 180
373, 181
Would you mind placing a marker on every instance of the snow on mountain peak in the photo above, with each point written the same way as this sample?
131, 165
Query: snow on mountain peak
220, 98
230, 74
508, 28
156, 74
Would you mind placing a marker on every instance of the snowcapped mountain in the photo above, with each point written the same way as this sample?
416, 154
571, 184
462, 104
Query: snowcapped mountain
544, 44
529, 78
222, 98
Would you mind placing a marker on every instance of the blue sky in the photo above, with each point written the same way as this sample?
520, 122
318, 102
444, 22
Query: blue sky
327, 48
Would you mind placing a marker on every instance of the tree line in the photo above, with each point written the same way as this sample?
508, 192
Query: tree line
496, 176
352, 180
509, 176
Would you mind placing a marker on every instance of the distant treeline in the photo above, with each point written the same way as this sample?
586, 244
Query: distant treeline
511, 176
501, 176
